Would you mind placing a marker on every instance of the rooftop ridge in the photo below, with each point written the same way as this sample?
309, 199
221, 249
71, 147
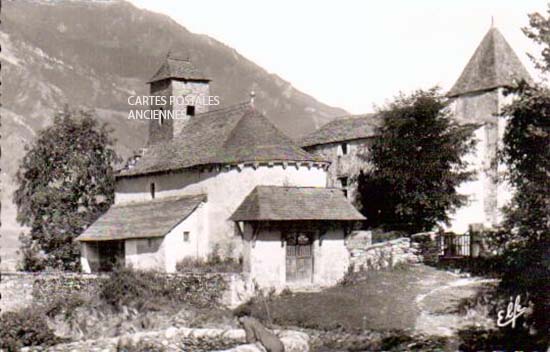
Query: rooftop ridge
160, 200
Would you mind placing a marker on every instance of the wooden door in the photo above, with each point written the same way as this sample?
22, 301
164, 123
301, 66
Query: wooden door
299, 257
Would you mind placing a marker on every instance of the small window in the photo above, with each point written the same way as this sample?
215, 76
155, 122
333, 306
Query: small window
152, 189
344, 185
186, 236
344, 147
149, 243
190, 110
343, 182
162, 117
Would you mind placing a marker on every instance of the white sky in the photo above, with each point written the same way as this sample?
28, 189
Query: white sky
353, 54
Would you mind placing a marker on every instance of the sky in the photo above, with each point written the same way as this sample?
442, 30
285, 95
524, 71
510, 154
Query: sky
357, 54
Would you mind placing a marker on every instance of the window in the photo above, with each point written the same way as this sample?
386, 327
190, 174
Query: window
344, 185
186, 236
162, 117
190, 110
152, 189
344, 182
344, 147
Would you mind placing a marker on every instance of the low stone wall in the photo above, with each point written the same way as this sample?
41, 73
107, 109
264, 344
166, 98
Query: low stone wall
366, 256
22, 289
184, 339
16, 291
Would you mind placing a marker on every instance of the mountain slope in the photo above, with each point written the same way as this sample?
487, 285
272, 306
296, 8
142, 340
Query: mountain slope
95, 54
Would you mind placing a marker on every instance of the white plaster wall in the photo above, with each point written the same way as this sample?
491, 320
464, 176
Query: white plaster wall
267, 257
487, 195
177, 249
331, 258
226, 189
473, 211
155, 260
89, 257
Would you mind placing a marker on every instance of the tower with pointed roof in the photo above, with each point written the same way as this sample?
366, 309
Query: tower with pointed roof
478, 98
190, 90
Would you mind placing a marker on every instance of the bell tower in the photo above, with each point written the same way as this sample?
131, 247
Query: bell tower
478, 99
185, 90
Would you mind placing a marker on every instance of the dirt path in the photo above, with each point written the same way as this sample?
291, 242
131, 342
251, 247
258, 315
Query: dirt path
439, 306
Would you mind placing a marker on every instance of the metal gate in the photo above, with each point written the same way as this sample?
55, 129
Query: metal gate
452, 246
299, 257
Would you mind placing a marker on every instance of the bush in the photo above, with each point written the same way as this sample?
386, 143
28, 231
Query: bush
152, 291
127, 287
214, 264
26, 327
428, 247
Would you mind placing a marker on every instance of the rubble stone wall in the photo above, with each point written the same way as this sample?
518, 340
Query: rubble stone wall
367, 256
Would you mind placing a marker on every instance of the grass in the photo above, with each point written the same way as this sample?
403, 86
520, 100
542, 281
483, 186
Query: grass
383, 300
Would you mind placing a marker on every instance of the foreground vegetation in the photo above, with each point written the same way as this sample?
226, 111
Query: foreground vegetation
127, 301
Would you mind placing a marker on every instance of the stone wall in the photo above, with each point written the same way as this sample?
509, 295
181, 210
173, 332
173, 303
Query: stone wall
184, 339
16, 291
21, 289
367, 256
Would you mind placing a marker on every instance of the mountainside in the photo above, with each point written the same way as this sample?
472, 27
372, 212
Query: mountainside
95, 54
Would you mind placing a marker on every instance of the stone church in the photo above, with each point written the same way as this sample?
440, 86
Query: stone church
476, 98
227, 181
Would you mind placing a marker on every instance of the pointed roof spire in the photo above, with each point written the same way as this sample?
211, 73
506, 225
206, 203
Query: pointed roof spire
494, 64
178, 66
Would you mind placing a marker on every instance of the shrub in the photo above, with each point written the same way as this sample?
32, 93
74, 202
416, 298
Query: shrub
428, 247
128, 287
214, 264
26, 327
152, 291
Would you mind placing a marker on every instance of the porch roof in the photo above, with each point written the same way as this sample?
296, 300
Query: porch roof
277, 203
154, 218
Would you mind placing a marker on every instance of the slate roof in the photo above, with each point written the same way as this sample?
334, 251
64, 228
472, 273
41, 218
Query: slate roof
343, 129
295, 203
153, 218
494, 64
178, 66
232, 135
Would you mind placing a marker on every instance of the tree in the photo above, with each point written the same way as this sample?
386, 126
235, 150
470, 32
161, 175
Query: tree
539, 32
65, 182
417, 160
526, 151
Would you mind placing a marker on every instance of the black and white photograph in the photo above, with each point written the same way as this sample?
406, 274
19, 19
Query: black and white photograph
275, 176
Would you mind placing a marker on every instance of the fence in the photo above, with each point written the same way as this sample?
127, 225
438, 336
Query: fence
454, 246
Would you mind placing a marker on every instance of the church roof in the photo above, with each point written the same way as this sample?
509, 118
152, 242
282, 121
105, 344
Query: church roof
153, 218
233, 135
179, 67
277, 203
343, 129
494, 64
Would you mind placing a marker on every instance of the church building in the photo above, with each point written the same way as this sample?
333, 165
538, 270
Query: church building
477, 98
225, 180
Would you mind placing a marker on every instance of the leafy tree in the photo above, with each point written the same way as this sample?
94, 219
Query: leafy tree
539, 31
65, 181
526, 152
417, 159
